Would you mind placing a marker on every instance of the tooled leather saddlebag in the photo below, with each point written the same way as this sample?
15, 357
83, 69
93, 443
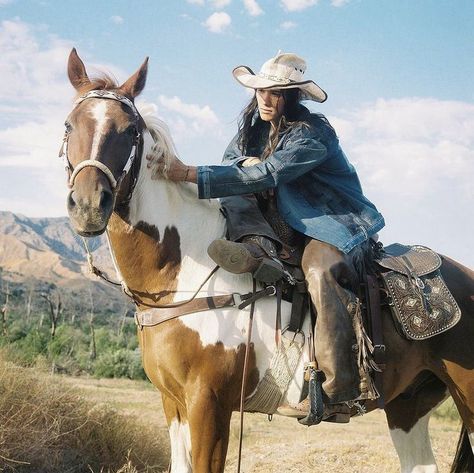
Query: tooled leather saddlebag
421, 304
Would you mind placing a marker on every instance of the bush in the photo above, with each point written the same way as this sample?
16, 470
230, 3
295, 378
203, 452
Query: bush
121, 363
49, 429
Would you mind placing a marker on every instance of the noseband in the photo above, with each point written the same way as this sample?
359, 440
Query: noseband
73, 172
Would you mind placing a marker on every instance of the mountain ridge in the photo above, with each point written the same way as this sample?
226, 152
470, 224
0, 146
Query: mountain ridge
46, 251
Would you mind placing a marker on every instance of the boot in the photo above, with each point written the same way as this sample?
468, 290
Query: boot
339, 413
253, 255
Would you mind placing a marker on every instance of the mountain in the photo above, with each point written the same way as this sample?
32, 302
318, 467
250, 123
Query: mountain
46, 251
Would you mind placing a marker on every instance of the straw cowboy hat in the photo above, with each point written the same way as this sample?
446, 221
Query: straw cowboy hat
284, 71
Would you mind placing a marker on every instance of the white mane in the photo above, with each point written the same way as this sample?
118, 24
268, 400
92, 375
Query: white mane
164, 146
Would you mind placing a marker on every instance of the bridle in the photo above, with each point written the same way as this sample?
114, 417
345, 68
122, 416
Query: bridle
73, 172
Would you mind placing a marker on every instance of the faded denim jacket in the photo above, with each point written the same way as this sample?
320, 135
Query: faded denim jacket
318, 190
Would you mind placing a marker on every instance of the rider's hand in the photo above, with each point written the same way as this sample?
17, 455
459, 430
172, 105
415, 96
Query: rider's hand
169, 167
251, 161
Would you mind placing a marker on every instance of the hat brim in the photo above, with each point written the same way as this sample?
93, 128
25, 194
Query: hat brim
309, 89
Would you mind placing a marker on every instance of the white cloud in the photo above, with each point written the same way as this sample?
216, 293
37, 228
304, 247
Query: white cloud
339, 3
415, 159
297, 5
423, 141
252, 7
287, 25
35, 98
196, 2
188, 118
219, 4
218, 22
31, 74
117, 19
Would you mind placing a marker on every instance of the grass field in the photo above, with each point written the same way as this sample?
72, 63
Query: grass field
283, 445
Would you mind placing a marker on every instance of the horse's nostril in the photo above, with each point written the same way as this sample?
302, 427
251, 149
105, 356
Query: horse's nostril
105, 199
71, 203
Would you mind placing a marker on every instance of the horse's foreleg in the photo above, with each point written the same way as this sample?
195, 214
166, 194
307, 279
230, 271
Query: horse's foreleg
209, 423
180, 437
408, 419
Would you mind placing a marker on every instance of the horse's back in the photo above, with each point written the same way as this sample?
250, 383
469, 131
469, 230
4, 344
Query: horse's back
460, 281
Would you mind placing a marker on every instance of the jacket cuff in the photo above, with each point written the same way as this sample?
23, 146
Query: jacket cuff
204, 182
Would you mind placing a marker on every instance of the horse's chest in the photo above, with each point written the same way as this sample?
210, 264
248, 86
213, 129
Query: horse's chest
178, 364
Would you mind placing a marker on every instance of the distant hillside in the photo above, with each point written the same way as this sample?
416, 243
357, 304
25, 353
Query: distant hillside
38, 251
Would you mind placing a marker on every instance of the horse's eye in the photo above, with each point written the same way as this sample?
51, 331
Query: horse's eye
68, 127
131, 130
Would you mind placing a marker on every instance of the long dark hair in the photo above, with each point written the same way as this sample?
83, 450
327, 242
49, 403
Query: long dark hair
252, 128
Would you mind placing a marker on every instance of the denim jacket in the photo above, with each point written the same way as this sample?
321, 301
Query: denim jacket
318, 190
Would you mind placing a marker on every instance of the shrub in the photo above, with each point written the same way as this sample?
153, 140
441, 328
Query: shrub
121, 363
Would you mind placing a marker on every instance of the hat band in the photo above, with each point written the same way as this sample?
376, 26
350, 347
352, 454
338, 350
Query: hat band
274, 78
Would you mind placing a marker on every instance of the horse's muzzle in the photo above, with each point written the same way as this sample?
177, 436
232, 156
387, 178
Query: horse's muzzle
90, 213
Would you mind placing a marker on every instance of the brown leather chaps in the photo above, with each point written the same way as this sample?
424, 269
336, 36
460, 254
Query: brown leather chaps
332, 280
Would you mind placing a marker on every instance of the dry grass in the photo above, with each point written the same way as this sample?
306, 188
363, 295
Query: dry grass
52, 424
45, 426
283, 445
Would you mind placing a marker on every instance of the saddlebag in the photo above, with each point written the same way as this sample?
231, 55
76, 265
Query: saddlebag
421, 303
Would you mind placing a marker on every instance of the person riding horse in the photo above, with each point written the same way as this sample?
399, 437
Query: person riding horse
285, 156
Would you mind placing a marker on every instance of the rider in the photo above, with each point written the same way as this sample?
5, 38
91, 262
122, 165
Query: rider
284, 152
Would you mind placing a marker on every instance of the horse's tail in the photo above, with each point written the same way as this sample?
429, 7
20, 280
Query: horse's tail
464, 458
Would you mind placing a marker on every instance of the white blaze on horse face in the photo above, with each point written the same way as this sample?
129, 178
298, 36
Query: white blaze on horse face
471, 439
414, 448
180, 439
99, 113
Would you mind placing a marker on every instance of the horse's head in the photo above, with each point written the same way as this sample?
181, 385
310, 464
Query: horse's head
102, 139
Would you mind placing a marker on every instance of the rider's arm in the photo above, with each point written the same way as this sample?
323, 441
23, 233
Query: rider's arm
301, 152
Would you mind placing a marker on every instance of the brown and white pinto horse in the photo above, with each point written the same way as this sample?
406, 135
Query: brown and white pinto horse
159, 232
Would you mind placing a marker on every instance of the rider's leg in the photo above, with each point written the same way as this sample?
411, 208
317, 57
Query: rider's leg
332, 280
251, 245
244, 218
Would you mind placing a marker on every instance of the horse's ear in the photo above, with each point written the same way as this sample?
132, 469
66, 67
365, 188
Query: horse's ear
76, 70
135, 84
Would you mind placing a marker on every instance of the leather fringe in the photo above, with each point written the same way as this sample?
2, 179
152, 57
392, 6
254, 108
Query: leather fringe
365, 361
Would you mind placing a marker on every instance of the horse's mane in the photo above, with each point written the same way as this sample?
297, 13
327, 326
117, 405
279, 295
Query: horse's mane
163, 146
101, 82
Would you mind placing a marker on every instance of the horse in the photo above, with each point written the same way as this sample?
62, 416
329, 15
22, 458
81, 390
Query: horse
158, 232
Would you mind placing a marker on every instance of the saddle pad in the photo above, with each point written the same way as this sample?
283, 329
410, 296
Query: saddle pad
414, 260
421, 310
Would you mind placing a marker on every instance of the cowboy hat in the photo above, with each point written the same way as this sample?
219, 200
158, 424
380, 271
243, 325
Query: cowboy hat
284, 71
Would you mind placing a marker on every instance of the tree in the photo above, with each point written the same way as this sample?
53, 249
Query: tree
3, 311
55, 306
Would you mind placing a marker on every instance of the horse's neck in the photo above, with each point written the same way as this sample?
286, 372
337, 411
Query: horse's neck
163, 240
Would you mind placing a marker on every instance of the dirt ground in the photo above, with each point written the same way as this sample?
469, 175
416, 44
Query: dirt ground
283, 445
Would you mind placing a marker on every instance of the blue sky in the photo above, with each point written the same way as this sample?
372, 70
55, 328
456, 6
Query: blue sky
398, 75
